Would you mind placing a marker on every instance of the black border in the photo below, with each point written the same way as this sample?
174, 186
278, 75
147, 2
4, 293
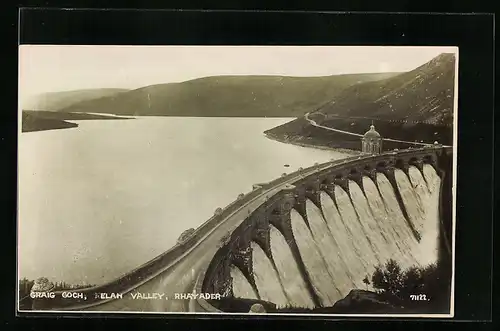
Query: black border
472, 33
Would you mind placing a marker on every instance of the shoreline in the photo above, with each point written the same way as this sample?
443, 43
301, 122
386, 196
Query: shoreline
322, 147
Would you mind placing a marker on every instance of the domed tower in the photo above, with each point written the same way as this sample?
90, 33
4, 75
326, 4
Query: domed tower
371, 142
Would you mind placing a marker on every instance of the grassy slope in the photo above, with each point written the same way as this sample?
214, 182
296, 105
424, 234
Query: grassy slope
60, 100
423, 94
236, 96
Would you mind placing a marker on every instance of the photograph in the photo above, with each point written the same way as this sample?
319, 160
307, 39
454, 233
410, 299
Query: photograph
236, 180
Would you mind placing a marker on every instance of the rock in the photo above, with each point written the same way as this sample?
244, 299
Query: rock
361, 301
42, 284
257, 308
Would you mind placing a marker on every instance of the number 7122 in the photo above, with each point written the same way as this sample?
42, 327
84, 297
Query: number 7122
418, 297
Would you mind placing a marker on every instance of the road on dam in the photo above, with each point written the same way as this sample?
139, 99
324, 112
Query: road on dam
181, 277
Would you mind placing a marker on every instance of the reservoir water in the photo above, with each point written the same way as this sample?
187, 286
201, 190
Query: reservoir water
99, 200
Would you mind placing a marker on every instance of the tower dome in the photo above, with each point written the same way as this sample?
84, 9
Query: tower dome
372, 133
371, 142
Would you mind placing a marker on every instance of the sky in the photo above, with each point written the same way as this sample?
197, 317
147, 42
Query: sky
53, 68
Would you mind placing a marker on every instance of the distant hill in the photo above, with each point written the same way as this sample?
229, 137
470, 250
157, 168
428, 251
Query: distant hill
412, 106
31, 122
228, 96
41, 120
60, 100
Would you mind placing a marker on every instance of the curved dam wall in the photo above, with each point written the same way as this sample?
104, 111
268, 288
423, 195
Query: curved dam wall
313, 242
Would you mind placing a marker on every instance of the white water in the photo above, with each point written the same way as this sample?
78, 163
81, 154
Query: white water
330, 253
288, 271
345, 245
432, 178
430, 238
344, 241
359, 239
397, 248
419, 185
266, 278
374, 235
241, 286
411, 201
313, 260
397, 219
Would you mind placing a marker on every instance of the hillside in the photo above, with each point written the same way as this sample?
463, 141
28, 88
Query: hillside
60, 100
413, 106
31, 122
48, 120
235, 96
423, 94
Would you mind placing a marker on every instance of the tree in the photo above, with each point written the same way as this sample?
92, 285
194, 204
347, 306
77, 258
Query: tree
389, 278
400, 285
412, 282
366, 281
433, 281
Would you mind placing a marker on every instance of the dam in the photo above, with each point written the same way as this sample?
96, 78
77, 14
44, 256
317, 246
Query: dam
346, 236
326, 234
305, 239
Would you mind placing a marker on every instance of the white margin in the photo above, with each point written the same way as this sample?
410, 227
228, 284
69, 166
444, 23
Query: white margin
454, 183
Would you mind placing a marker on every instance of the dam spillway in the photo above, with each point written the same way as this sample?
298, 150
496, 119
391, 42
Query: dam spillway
266, 278
288, 271
341, 241
241, 286
309, 248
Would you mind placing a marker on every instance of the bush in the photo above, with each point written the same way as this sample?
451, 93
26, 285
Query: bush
388, 278
400, 284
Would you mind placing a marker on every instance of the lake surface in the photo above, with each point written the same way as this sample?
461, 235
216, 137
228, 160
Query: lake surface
99, 200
